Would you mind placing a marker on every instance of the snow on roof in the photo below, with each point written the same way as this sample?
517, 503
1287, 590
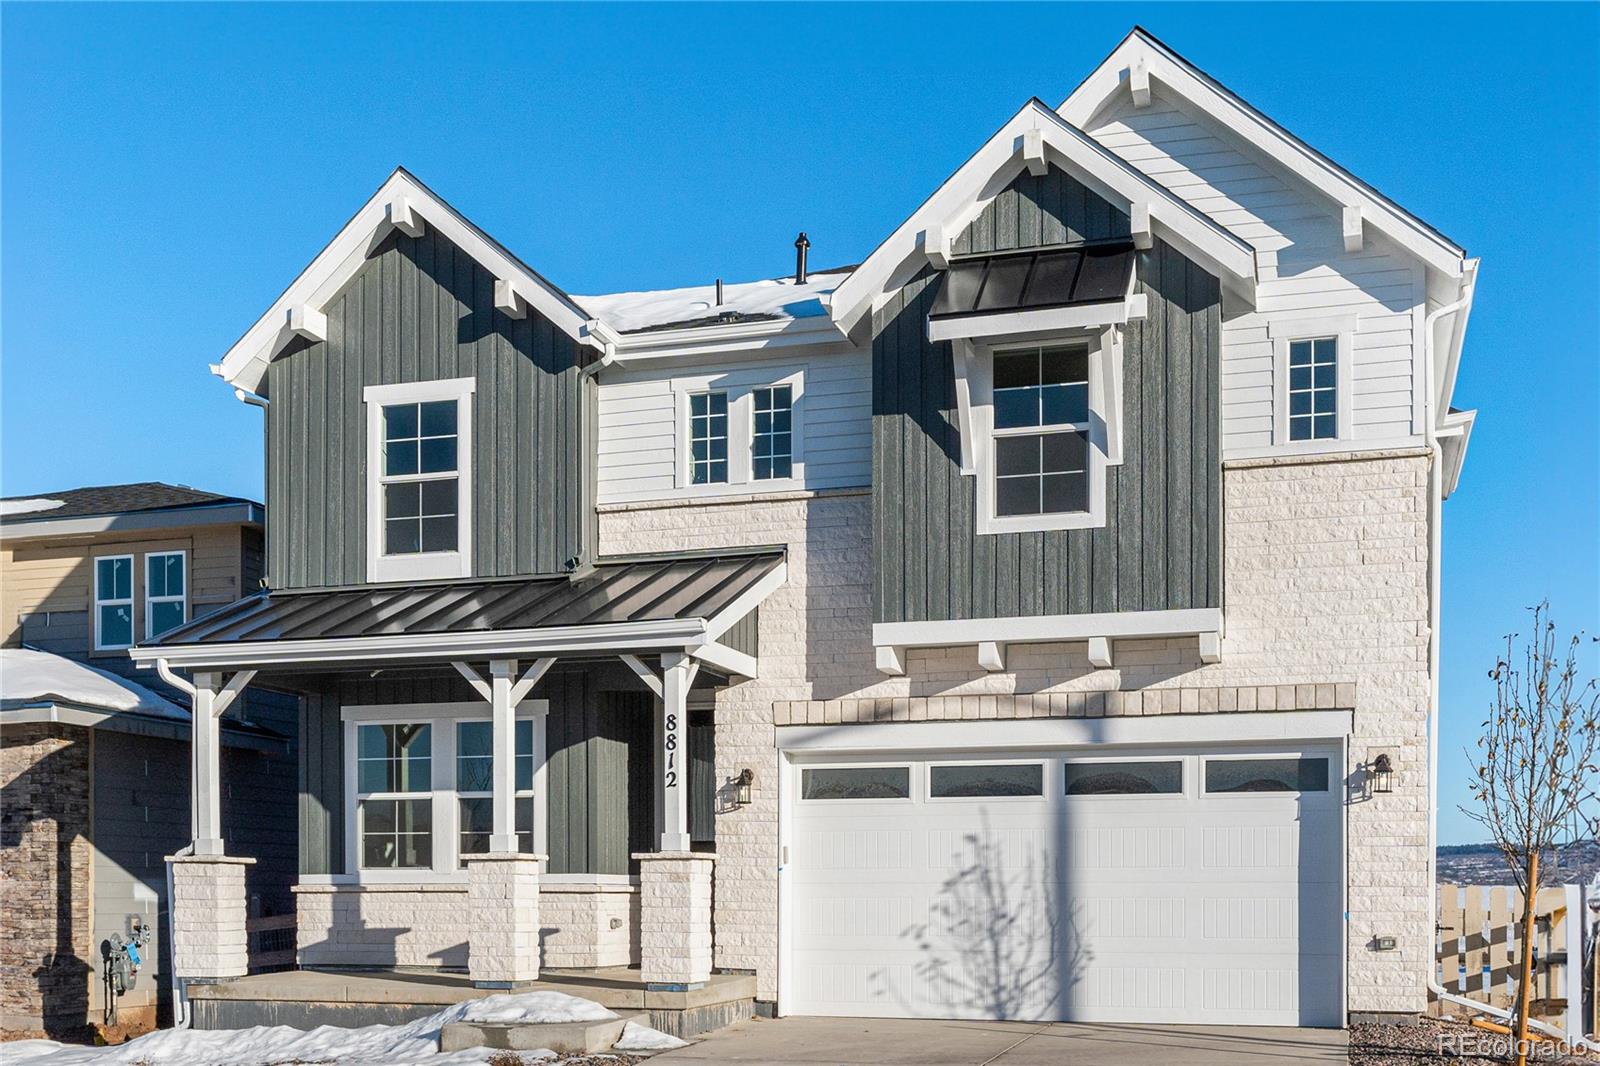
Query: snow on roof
775, 298
37, 676
29, 506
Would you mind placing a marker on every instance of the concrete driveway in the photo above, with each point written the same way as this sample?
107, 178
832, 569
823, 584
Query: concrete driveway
884, 1042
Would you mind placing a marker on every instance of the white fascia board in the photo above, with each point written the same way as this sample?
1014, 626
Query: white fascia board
747, 338
1049, 628
975, 183
746, 602
1019, 325
1051, 733
1297, 158
1457, 338
224, 513
685, 633
246, 362
1454, 436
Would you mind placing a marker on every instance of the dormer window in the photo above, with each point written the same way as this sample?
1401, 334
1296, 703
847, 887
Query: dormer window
419, 473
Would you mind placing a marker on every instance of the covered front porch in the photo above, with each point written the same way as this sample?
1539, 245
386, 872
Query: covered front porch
497, 778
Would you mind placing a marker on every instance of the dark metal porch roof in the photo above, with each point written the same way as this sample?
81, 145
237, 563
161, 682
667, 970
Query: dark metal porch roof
621, 590
1035, 279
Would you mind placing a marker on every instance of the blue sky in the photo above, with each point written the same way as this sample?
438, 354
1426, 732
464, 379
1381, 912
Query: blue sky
168, 169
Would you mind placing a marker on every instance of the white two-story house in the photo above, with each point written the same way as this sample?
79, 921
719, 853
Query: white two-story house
1037, 620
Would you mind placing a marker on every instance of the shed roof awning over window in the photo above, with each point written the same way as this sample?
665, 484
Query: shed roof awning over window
624, 604
1036, 279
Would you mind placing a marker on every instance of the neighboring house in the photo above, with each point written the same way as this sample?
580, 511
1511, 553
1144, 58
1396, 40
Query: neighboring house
94, 754
1036, 620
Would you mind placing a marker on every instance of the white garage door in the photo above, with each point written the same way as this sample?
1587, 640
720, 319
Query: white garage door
1156, 886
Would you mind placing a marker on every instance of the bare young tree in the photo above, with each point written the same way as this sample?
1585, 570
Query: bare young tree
1535, 770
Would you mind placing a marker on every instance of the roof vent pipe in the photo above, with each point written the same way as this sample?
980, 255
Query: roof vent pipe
800, 246
719, 292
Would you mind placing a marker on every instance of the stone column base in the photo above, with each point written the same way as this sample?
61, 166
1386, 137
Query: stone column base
207, 914
675, 919
503, 906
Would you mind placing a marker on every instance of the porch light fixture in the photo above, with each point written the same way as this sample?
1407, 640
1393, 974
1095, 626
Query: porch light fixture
745, 779
1382, 774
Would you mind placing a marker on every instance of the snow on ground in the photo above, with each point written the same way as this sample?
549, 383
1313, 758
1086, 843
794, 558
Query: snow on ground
41, 503
415, 1042
636, 1037
38, 675
624, 311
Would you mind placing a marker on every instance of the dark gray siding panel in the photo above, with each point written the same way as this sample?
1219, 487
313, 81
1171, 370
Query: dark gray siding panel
421, 309
599, 747
703, 782
1161, 546
1053, 208
744, 634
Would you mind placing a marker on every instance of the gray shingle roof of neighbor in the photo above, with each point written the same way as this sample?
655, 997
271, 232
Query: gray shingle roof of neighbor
625, 589
112, 499
1022, 281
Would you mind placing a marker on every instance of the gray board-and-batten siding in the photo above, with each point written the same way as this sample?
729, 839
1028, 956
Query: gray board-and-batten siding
599, 745
421, 309
1161, 546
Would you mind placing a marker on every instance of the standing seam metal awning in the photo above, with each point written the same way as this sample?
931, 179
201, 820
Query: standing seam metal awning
1036, 279
674, 596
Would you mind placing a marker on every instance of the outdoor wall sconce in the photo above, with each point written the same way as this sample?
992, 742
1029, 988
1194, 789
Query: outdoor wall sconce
745, 779
1382, 774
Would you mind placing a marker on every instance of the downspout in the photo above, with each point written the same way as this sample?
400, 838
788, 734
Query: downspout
181, 1018
606, 339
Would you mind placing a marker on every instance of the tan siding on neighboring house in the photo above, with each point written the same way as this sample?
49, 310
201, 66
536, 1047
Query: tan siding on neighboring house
44, 577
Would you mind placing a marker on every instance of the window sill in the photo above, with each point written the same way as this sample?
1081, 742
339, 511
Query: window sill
420, 567
1040, 523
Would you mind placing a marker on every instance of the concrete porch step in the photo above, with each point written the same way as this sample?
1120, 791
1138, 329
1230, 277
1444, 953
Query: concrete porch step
564, 1038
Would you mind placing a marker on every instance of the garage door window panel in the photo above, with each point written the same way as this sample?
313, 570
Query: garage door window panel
986, 781
1123, 779
1268, 774
855, 783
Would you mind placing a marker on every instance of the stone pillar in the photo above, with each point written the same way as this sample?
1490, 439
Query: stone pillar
675, 919
503, 901
207, 916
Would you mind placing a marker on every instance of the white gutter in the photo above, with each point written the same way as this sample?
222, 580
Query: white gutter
1435, 509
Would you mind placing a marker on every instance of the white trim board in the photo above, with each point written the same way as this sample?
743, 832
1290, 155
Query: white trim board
401, 202
1052, 733
1038, 629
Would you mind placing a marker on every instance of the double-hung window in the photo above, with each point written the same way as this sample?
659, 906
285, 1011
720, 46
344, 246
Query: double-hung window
708, 438
164, 592
113, 601
394, 795
419, 461
771, 437
1041, 430
475, 785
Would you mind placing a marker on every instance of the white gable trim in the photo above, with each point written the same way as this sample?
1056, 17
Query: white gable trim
402, 203
923, 237
1142, 53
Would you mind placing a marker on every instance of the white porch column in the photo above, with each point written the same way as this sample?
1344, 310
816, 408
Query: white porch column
206, 767
502, 673
677, 674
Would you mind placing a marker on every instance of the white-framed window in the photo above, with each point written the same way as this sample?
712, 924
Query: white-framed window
475, 785
708, 438
113, 601
985, 780
1313, 399
419, 788
855, 783
771, 435
1043, 420
419, 479
1124, 777
166, 591
739, 429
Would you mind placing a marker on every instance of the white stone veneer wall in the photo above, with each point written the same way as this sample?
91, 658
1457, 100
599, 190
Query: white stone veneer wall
430, 925
1325, 577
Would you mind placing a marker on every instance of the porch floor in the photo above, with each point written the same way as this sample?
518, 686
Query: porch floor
308, 998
